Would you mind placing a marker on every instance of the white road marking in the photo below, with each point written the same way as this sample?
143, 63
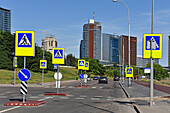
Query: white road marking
71, 87
9, 109
83, 96
63, 86
100, 87
70, 95
95, 98
20, 106
5, 93
93, 87
79, 98
63, 97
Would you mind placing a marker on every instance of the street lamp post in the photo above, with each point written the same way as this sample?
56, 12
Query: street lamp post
43, 59
119, 61
129, 83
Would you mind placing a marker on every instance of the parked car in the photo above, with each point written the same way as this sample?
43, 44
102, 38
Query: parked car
88, 78
116, 78
103, 79
95, 78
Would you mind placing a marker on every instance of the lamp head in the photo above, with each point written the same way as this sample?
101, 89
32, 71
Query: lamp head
114, 0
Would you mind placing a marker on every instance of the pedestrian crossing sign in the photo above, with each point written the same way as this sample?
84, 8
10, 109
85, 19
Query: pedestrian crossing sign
43, 64
58, 56
81, 64
156, 40
86, 66
129, 71
24, 43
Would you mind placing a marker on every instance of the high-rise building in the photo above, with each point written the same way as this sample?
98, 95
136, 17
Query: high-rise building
91, 47
48, 43
5, 19
81, 49
124, 40
169, 52
110, 50
141, 62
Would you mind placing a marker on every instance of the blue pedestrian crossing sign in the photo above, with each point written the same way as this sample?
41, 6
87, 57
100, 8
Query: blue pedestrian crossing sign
86, 66
81, 64
55, 66
81, 76
58, 56
156, 40
24, 43
24, 74
43, 64
129, 71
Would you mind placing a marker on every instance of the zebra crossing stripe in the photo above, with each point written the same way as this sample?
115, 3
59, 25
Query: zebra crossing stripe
23, 88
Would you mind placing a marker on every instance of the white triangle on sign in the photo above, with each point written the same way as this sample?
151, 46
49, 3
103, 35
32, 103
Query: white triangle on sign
24, 41
58, 54
81, 63
129, 71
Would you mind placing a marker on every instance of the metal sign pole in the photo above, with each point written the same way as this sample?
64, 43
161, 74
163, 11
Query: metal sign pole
58, 78
81, 79
85, 78
42, 76
14, 75
24, 68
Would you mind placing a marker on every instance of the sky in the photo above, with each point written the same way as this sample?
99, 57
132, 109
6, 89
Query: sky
65, 18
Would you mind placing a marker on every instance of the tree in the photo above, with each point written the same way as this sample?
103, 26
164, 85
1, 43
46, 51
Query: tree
158, 71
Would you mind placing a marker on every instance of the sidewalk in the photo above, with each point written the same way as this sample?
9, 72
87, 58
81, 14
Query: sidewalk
46, 84
140, 95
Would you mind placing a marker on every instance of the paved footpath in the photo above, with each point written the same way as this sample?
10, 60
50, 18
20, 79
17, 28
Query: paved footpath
139, 94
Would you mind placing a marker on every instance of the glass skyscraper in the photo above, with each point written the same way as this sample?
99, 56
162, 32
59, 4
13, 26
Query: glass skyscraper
110, 48
5, 19
90, 47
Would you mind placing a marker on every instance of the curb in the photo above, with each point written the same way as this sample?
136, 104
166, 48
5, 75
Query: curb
128, 96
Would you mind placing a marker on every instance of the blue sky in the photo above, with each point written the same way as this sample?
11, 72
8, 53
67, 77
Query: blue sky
65, 19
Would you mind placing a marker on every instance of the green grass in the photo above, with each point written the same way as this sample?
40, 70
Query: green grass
164, 82
7, 77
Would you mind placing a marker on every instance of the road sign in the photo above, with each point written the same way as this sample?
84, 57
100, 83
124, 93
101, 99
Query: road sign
24, 43
55, 66
81, 64
43, 64
81, 76
147, 70
24, 74
59, 76
85, 75
86, 66
156, 40
58, 56
129, 71
23, 88
15, 62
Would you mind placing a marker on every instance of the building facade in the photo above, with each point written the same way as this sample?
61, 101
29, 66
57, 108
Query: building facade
124, 40
48, 43
141, 62
169, 52
5, 19
110, 50
91, 47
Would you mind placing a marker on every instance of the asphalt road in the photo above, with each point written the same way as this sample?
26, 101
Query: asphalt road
98, 98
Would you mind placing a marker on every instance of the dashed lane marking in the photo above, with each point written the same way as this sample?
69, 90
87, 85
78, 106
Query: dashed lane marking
79, 98
93, 87
98, 96
3, 96
5, 93
95, 98
83, 96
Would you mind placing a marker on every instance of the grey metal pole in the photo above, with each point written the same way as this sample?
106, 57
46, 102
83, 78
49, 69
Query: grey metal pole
24, 62
42, 76
14, 75
151, 80
57, 78
123, 62
85, 78
24, 68
129, 83
81, 79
